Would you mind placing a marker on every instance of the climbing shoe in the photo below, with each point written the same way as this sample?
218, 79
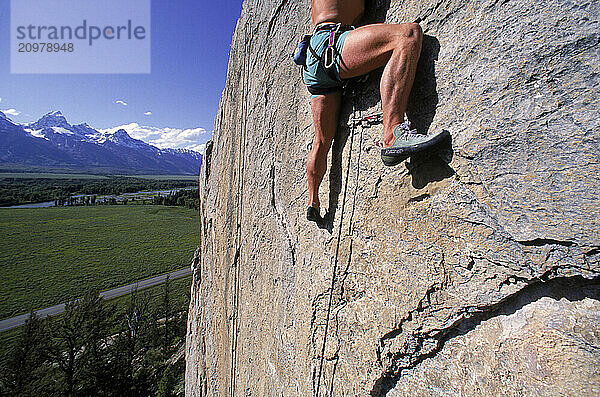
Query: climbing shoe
313, 214
409, 142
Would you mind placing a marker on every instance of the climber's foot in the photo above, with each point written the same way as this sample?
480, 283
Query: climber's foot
408, 142
313, 214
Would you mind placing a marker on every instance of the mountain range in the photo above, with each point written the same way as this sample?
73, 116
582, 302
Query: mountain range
53, 143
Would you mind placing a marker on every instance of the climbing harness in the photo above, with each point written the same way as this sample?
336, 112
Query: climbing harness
328, 58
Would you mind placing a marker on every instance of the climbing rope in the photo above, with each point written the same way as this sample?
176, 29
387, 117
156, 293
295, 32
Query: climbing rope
354, 121
235, 326
366, 122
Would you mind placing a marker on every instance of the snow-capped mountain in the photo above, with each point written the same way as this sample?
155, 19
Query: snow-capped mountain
53, 142
52, 119
5, 121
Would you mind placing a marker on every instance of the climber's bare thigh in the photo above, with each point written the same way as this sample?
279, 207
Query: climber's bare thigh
369, 47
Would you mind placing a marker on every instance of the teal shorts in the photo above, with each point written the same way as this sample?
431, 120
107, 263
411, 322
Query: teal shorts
315, 76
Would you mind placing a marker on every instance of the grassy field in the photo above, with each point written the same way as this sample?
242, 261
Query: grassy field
179, 292
7, 341
49, 255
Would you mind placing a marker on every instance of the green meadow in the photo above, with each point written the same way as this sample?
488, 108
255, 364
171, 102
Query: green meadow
50, 255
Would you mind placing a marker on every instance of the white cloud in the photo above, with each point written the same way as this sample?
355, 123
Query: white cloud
163, 138
120, 102
11, 112
0, 99
198, 148
148, 113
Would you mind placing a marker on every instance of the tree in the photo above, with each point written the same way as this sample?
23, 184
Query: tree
131, 345
167, 383
77, 346
97, 324
166, 314
24, 368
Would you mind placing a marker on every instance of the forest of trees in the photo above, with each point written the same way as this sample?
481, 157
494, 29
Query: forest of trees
23, 191
180, 198
93, 349
187, 198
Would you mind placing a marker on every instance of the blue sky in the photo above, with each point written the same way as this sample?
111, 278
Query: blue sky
190, 50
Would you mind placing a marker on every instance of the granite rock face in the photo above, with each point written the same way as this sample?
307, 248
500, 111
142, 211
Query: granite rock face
473, 270
546, 348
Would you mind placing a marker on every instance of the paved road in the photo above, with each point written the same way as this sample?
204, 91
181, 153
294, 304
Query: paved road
113, 293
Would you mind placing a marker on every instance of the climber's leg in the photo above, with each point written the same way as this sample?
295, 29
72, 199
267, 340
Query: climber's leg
325, 109
397, 47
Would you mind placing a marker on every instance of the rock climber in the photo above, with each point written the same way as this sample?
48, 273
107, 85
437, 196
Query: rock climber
336, 52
